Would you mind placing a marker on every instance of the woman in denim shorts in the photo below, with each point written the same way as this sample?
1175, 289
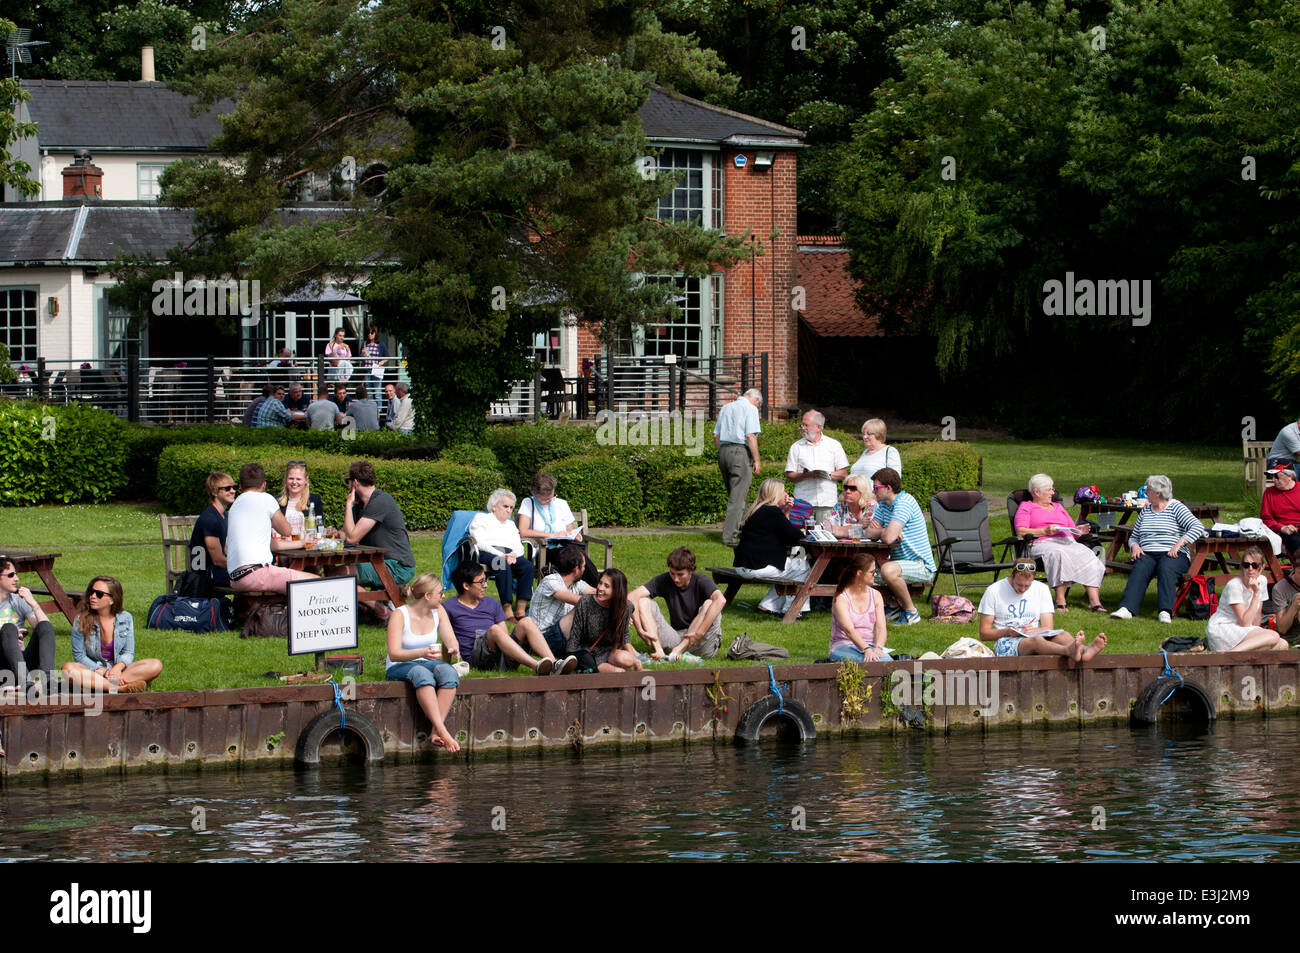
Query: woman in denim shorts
415, 654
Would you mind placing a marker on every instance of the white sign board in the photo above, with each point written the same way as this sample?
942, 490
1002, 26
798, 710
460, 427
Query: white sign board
322, 614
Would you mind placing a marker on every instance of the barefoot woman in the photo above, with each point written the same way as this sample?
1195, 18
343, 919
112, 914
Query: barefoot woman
103, 643
414, 654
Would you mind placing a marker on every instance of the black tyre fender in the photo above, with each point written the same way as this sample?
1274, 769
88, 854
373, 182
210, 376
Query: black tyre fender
797, 723
1147, 709
307, 751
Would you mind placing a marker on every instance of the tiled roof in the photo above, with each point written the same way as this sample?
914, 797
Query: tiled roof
831, 309
667, 115
75, 231
118, 115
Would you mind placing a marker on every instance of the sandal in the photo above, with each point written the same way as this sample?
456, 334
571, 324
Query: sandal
1062, 607
1097, 608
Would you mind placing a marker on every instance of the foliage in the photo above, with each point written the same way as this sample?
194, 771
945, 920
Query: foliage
606, 488
13, 172
1017, 144
524, 448
471, 455
59, 454
144, 446
690, 496
426, 491
7, 373
855, 692
495, 154
938, 465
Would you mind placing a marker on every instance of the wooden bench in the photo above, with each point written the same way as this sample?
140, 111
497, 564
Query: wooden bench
176, 532
537, 547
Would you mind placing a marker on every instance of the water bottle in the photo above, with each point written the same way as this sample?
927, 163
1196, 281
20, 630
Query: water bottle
311, 526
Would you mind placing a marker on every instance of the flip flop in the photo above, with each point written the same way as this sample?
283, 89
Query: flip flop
1062, 607
1097, 608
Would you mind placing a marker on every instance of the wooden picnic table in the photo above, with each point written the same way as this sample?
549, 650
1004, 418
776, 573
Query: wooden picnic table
336, 562
821, 553
1202, 511
1221, 549
43, 565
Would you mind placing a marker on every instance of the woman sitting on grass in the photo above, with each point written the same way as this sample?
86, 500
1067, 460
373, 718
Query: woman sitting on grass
1235, 625
597, 630
103, 643
858, 615
415, 655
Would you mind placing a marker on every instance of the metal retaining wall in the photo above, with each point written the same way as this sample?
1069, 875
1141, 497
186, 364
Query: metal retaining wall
249, 726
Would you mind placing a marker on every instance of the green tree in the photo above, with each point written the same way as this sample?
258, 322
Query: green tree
13, 172
496, 177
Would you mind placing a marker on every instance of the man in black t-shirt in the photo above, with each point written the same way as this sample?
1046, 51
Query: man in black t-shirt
208, 540
373, 518
695, 607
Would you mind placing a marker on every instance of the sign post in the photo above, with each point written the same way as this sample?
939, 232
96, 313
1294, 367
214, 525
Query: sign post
322, 616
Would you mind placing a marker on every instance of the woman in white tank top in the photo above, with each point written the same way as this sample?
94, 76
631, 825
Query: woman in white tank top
416, 655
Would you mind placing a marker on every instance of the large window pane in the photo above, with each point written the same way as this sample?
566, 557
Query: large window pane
18, 323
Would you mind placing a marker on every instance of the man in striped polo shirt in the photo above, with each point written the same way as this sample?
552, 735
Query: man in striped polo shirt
1161, 542
898, 520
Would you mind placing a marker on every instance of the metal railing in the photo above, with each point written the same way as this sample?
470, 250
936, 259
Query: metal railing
659, 384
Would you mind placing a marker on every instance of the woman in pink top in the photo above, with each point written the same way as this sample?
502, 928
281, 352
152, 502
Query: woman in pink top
340, 357
858, 615
1065, 559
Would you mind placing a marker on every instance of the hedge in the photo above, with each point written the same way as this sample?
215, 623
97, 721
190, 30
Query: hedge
694, 495
426, 491
938, 465
60, 454
522, 449
471, 455
145, 445
606, 487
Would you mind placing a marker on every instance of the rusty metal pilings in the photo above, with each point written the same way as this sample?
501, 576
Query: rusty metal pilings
250, 726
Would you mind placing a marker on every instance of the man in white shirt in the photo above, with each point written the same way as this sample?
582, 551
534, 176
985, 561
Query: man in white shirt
249, 545
553, 599
401, 411
736, 437
1016, 616
816, 463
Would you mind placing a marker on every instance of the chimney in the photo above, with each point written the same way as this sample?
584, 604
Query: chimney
146, 64
82, 178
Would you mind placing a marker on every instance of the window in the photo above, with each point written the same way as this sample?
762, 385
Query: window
18, 324
696, 331
547, 351
691, 201
117, 339
304, 332
146, 174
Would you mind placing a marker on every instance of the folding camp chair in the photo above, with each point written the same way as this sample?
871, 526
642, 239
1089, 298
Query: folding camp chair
961, 531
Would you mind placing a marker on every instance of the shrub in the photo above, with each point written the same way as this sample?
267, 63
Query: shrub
938, 465
146, 443
693, 495
471, 455
606, 487
522, 449
775, 440
651, 465
60, 454
426, 491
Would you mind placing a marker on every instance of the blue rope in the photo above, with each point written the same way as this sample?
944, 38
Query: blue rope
775, 689
1169, 670
338, 703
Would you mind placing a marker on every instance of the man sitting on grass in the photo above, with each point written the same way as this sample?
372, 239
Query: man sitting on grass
480, 626
1016, 616
553, 599
695, 605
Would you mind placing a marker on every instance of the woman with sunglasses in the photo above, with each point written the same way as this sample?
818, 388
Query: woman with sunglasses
1235, 625
296, 497
19, 610
103, 643
854, 510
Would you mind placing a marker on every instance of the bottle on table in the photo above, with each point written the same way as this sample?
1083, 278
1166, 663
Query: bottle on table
310, 532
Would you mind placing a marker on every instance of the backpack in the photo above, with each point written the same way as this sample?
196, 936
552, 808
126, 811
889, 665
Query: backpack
1087, 494
1202, 600
269, 621
951, 609
195, 584
174, 611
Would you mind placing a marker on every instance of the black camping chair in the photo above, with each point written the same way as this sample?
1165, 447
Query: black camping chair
961, 530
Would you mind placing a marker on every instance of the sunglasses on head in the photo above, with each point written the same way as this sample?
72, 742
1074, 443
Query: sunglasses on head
1248, 564
1026, 565
297, 463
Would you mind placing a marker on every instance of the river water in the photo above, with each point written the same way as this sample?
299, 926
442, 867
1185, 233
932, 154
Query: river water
1230, 793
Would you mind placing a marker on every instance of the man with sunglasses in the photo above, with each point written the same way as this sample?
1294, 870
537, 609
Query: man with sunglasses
1016, 616
208, 540
898, 520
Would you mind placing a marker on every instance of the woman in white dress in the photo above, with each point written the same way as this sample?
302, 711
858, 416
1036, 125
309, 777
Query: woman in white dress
1235, 625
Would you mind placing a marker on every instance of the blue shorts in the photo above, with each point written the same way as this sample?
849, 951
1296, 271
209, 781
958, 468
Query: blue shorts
423, 673
851, 653
554, 637
1007, 645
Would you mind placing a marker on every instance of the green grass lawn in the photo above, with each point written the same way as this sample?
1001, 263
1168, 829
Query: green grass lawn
123, 540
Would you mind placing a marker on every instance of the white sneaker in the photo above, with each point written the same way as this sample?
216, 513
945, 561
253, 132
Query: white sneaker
1164, 617
1121, 613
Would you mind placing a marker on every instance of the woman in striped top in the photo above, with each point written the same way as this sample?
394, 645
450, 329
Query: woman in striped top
1161, 544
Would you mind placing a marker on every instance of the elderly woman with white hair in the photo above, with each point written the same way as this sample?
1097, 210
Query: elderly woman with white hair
1065, 559
501, 551
1160, 543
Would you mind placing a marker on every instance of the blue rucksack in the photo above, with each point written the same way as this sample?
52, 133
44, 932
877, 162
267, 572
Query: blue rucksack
174, 611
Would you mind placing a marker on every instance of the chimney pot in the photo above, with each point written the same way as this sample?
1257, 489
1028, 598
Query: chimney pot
83, 178
146, 64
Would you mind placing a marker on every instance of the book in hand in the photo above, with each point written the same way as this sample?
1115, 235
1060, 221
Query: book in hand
816, 474
1069, 530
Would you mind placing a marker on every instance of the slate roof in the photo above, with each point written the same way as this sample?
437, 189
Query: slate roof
668, 115
831, 309
74, 231
131, 117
